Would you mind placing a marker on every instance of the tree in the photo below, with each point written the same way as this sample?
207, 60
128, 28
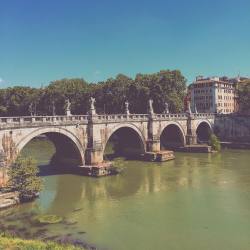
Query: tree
57, 92
23, 178
214, 142
112, 94
244, 97
164, 86
16, 101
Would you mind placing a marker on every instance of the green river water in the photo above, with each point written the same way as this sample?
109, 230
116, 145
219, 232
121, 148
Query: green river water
197, 201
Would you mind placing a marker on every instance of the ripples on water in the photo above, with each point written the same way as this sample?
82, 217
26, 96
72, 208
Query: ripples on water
197, 201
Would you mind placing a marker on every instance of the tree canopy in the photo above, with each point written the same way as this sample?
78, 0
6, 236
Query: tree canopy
164, 86
244, 97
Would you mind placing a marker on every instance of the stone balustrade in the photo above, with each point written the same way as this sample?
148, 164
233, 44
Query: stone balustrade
23, 121
171, 116
203, 115
122, 117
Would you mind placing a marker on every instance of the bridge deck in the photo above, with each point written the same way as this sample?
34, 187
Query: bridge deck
22, 121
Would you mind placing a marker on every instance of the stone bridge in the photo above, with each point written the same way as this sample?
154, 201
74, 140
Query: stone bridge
83, 138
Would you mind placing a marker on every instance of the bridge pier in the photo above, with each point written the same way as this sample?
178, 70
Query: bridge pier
3, 177
94, 151
93, 156
3, 170
191, 137
153, 145
154, 152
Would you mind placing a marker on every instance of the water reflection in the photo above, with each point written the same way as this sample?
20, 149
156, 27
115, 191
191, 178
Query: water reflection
138, 179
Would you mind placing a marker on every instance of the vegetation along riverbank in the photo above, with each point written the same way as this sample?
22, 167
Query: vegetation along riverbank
7, 242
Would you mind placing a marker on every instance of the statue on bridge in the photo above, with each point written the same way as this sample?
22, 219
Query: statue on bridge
92, 106
31, 109
53, 108
166, 111
195, 109
150, 107
67, 107
127, 108
189, 111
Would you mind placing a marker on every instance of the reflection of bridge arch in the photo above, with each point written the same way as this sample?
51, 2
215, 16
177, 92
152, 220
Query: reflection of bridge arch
128, 135
66, 143
172, 136
203, 131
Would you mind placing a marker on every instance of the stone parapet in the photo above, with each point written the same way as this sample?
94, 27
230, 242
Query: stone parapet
40, 121
23, 121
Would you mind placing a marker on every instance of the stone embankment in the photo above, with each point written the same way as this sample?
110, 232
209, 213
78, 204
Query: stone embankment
8, 199
198, 148
233, 128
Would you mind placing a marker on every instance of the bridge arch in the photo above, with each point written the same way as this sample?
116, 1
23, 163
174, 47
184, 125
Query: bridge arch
172, 136
203, 131
127, 135
66, 143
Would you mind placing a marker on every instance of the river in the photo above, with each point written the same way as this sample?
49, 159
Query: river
197, 201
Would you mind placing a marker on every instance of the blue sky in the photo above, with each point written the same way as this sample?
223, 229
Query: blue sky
45, 40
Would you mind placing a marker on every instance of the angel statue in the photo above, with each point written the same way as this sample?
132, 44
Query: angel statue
166, 108
92, 103
150, 105
92, 106
126, 108
67, 107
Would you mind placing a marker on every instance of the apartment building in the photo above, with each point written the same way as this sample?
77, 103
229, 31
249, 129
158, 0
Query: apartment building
213, 94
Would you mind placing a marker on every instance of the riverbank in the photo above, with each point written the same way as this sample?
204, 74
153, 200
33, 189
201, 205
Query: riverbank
8, 199
17, 243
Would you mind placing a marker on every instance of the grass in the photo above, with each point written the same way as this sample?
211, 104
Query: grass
11, 243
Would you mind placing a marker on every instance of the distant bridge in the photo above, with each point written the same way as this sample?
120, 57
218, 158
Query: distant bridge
83, 138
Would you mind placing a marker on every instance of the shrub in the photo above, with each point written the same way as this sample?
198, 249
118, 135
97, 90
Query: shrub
214, 142
23, 178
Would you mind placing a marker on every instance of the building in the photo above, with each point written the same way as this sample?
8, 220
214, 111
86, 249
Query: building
214, 95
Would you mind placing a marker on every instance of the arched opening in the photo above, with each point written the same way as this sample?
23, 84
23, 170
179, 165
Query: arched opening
125, 142
172, 137
203, 132
52, 151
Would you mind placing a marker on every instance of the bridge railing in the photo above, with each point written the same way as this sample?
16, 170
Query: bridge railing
203, 115
75, 119
122, 117
169, 116
42, 119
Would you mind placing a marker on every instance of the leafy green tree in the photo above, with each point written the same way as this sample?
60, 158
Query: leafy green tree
214, 142
56, 93
244, 96
15, 101
23, 178
164, 86
112, 94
